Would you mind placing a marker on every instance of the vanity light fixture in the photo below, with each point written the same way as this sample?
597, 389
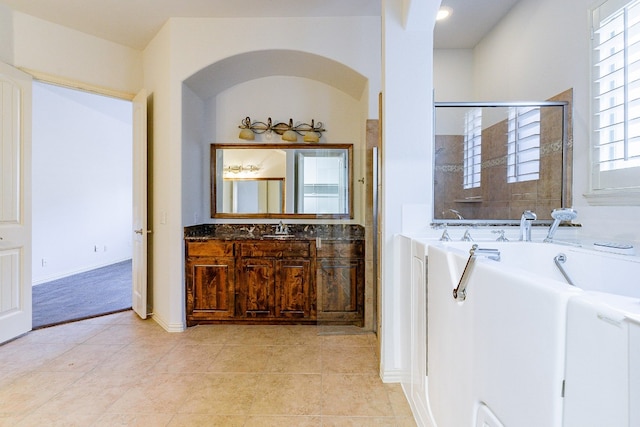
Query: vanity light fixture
241, 168
310, 132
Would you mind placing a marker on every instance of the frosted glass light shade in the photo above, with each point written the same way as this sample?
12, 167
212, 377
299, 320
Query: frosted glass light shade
289, 136
311, 137
247, 134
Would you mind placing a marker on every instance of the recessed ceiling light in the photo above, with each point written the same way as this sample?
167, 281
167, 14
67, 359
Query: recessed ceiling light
443, 13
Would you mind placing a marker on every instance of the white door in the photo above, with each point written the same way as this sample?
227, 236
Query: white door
15, 202
140, 230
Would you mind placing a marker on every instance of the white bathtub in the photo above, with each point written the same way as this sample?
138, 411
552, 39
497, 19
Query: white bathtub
526, 348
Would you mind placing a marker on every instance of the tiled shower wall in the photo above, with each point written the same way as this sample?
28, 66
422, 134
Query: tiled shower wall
496, 199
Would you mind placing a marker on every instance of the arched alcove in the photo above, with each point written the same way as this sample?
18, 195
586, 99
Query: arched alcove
277, 83
243, 67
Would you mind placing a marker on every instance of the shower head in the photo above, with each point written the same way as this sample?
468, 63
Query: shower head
559, 215
564, 214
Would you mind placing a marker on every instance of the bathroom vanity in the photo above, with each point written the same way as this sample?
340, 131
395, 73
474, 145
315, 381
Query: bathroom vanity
246, 274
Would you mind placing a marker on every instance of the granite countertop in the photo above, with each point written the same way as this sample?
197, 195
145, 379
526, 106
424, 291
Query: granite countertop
267, 232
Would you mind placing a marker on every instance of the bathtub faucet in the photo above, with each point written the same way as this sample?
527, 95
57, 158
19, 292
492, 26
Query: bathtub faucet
559, 215
525, 225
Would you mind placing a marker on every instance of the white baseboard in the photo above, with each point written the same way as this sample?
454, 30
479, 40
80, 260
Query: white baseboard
169, 327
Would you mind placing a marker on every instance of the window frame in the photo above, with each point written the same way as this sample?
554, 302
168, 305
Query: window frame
616, 186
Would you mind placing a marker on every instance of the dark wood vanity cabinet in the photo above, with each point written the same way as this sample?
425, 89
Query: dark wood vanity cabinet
210, 280
274, 281
340, 281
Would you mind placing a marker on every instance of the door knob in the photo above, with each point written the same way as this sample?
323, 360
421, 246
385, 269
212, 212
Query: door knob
139, 231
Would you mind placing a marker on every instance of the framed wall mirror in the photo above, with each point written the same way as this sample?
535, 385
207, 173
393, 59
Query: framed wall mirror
281, 181
492, 161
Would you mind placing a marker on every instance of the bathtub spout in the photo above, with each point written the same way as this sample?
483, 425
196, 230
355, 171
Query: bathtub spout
525, 225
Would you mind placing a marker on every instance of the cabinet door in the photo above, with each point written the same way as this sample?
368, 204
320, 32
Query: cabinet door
256, 290
340, 290
210, 288
293, 287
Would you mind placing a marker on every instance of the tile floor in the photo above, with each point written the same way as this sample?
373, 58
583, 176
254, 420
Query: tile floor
118, 370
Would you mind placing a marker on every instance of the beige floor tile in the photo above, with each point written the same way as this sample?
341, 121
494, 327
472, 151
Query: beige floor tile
76, 332
121, 370
10, 420
350, 360
30, 391
349, 340
200, 420
133, 420
398, 400
295, 359
298, 335
280, 421
22, 355
255, 335
355, 395
359, 422
188, 358
82, 399
241, 358
221, 394
135, 357
158, 393
207, 334
60, 419
288, 394
81, 358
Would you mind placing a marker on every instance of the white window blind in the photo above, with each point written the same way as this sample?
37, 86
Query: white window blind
616, 95
472, 148
523, 144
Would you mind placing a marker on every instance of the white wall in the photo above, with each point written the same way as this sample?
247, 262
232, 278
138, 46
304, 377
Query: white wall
68, 54
6, 35
453, 75
354, 42
540, 49
406, 153
82, 181
281, 98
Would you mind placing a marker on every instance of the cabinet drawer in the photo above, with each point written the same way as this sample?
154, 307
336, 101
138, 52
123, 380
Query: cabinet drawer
275, 249
340, 249
210, 248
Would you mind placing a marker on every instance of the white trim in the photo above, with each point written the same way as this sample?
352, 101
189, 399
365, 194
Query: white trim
169, 327
618, 197
72, 84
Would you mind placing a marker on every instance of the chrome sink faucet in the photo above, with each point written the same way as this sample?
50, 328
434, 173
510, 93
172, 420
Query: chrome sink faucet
525, 225
282, 228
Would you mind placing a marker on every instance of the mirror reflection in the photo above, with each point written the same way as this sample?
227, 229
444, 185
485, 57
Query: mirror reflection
281, 180
495, 160
260, 195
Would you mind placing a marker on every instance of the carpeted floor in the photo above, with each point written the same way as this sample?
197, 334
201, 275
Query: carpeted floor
81, 296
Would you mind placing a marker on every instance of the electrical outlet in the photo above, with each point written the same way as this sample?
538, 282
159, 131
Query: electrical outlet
44, 262
95, 248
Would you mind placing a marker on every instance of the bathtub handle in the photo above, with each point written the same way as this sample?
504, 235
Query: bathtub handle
559, 260
460, 293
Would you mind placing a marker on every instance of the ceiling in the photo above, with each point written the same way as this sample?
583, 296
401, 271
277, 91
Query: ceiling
469, 22
134, 23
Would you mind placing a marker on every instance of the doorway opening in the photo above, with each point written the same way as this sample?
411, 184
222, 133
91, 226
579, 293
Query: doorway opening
82, 204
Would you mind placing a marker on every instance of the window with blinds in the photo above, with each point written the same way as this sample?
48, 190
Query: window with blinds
523, 144
616, 95
472, 148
